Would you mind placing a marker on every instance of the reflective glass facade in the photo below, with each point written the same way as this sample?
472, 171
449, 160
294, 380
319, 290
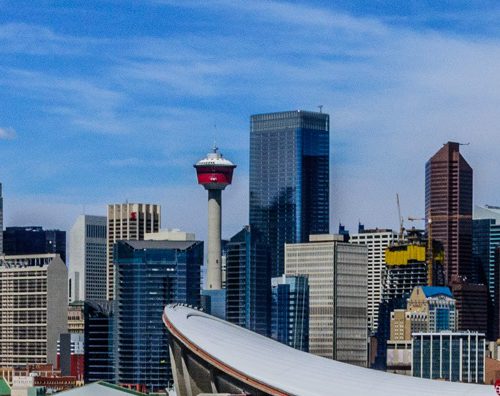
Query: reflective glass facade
248, 283
289, 179
290, 311
98, 341
150, 275
449, 356
34, 240
486, 238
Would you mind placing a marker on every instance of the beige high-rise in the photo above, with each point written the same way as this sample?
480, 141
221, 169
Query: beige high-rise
128, 221
337, 274
33, 308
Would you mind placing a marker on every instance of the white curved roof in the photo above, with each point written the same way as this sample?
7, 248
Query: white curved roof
295, 372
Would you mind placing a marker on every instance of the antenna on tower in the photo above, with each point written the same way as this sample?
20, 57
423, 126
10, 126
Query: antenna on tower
215, 148
320, 107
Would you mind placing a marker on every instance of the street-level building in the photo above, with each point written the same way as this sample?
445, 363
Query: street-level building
337, 276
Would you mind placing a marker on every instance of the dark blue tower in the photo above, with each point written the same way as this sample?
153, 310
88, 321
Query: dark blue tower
289, 179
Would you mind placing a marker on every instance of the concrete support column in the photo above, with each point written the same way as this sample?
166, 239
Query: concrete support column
214, 260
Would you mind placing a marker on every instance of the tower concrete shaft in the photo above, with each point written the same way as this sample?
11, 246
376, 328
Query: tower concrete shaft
215, 174
214, 260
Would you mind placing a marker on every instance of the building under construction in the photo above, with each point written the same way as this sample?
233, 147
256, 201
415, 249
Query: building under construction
407, 266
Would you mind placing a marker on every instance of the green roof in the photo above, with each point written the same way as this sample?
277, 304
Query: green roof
4, 387
100, 388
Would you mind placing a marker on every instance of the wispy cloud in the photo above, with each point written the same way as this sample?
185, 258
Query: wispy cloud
394, 92
7, 133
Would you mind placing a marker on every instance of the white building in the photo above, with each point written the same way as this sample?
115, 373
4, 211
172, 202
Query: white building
337, 275
87, 259
128, 221
33, 308
376, 241
170, 235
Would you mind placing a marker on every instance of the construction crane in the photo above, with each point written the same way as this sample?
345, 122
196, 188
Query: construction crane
430, 250
400, 220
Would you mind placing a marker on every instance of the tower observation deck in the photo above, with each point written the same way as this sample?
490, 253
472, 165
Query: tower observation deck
214, 173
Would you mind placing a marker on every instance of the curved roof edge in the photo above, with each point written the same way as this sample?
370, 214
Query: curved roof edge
277, 369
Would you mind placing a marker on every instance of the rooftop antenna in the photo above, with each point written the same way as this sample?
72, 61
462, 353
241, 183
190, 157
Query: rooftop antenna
215, 148
320, 107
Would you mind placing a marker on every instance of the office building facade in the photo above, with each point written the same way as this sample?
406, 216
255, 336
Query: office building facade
87, 259
448, 209
376, 241
449, 356
248, 282
99, 337
290, 311
33, 308
337, 275
150, 275
472, 306
128, 221
486, 238
34, 240
76, 317
289, 179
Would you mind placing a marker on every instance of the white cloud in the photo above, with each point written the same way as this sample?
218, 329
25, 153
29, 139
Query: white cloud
7, 133
395, 94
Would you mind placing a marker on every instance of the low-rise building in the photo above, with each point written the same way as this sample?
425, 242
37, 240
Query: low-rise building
450, 356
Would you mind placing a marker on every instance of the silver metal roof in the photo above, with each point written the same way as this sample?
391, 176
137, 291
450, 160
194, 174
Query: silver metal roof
298, 373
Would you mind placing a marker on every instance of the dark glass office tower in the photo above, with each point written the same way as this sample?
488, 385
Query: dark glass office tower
150, 275
448, 205
34, 240
289, 179
486, 238
248, 283
98, 340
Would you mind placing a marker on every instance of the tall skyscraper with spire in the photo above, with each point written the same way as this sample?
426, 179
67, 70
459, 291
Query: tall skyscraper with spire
448, 209
289, 179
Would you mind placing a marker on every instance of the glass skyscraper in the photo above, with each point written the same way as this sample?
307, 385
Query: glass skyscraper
248, 283
290, 311
289, 179
485, 240
150, 275
98, 340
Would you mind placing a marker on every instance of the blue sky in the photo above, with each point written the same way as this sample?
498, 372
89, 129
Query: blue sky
103, 101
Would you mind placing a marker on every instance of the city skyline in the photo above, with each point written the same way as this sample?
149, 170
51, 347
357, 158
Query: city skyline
387, 78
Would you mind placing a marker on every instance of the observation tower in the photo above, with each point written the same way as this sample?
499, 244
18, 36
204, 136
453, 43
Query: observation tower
214, 173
